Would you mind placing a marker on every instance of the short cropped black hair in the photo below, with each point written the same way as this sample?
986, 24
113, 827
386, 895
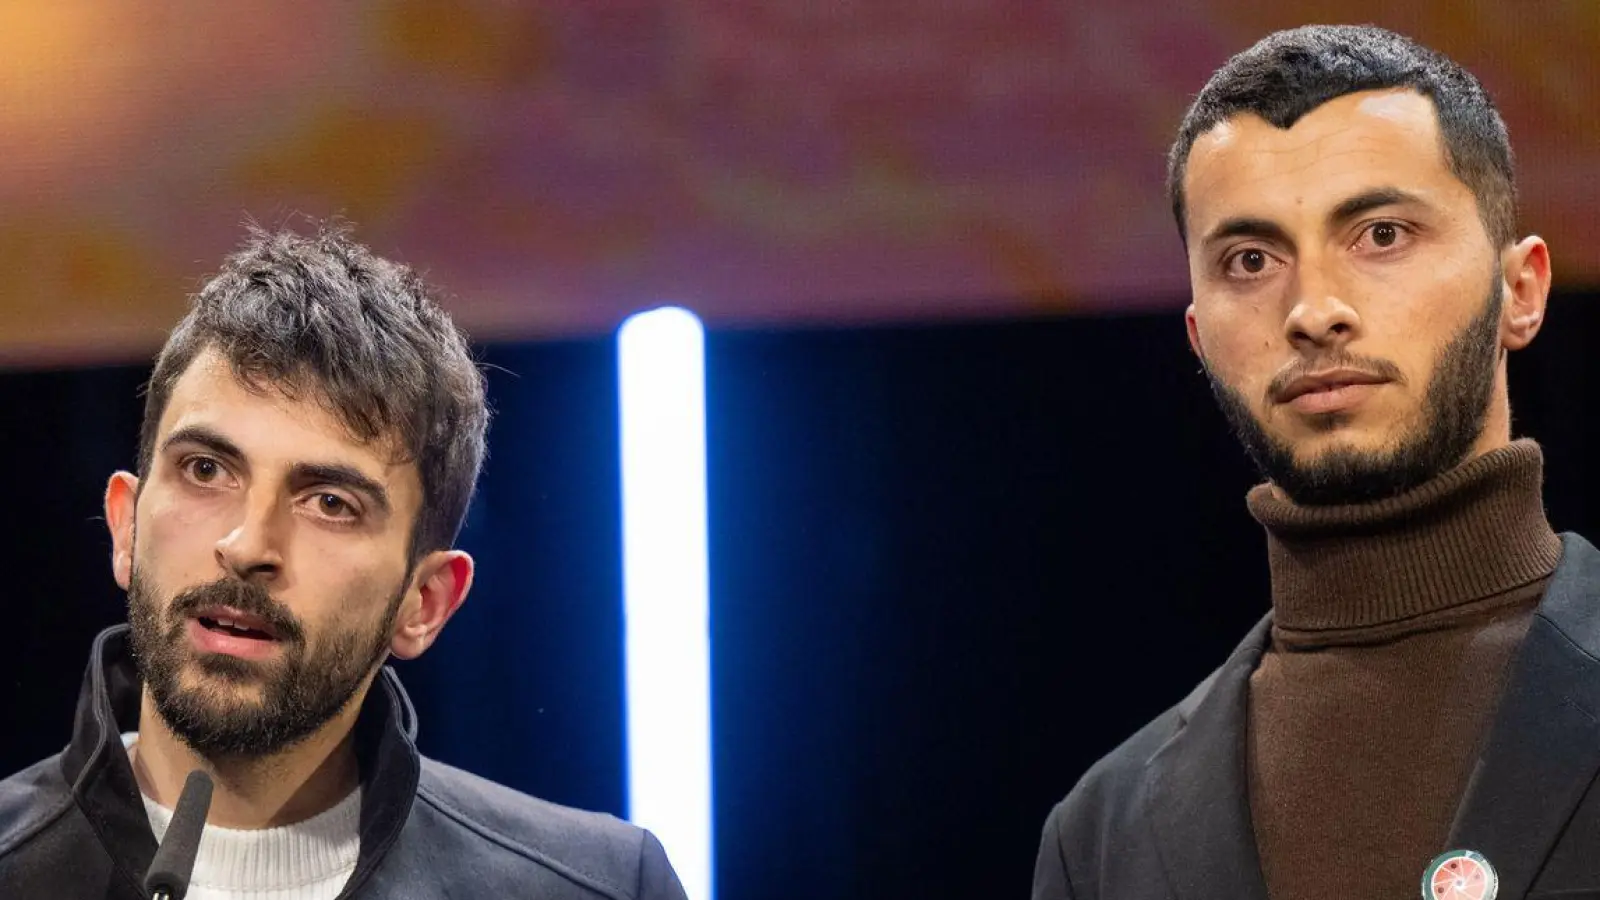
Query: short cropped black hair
1289, 73
322, 317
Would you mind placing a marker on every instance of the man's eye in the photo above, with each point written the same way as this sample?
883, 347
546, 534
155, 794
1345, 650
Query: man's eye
1248, 263
1385, 236
204, 470
334, 506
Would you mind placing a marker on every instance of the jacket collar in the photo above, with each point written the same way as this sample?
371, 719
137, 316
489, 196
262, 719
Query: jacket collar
1540, 755
96, 765
1543, 750
1197, 802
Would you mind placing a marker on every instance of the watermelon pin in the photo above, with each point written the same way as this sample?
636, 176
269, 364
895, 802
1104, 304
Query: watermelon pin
1460, 875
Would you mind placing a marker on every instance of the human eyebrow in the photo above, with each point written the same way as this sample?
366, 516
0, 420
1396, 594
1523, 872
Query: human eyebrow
345, 477
1248, 226
1367, 201
204, 437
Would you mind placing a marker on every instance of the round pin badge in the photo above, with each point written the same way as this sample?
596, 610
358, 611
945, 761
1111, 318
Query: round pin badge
1460, 875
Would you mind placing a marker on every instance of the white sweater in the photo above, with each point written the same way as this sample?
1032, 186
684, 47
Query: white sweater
309, 860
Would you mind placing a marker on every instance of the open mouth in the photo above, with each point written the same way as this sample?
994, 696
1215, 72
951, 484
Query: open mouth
234, 629
219, 631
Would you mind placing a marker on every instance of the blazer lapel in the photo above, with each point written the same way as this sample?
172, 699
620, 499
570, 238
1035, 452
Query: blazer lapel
1543, 750
1197, 803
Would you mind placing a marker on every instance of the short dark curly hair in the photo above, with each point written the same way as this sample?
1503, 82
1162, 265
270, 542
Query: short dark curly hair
1289, 73
321, 316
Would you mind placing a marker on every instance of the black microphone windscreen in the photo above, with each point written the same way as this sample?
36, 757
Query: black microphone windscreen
174, 861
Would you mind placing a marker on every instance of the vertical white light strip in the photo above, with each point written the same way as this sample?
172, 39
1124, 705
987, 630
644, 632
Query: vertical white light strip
661, 369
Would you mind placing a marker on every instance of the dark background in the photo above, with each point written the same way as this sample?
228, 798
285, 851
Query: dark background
951, 566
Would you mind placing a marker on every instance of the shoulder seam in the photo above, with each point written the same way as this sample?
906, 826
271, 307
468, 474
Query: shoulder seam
581, 879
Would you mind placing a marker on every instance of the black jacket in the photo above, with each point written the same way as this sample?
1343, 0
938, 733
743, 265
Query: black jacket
74, 825
1166, 814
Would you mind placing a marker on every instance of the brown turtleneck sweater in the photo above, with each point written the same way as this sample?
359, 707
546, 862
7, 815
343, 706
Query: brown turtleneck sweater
1393, 624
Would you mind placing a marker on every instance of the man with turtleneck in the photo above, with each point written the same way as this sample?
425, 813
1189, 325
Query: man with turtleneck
1420, 711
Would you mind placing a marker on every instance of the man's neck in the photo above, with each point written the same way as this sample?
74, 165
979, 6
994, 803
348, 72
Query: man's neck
259, 792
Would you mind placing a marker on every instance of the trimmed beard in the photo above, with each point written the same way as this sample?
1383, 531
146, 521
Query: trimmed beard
300, 692
1454, 410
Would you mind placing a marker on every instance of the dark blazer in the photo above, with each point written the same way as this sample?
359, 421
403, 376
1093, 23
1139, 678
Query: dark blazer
1165, 815
74, 826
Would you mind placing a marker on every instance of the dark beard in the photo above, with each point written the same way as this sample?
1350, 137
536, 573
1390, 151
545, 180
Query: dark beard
300, 692
1454, 410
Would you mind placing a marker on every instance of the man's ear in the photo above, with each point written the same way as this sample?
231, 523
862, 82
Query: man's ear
1526, 265
1193, 328
437, 590
122, 495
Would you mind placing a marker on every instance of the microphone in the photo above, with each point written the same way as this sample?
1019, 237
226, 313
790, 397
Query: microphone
168, 878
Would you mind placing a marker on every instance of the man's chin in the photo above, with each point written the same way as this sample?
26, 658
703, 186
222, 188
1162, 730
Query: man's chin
1317, 442
210, 671
1341, 453
1347, 472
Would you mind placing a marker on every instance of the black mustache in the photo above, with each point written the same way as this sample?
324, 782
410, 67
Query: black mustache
245, 597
